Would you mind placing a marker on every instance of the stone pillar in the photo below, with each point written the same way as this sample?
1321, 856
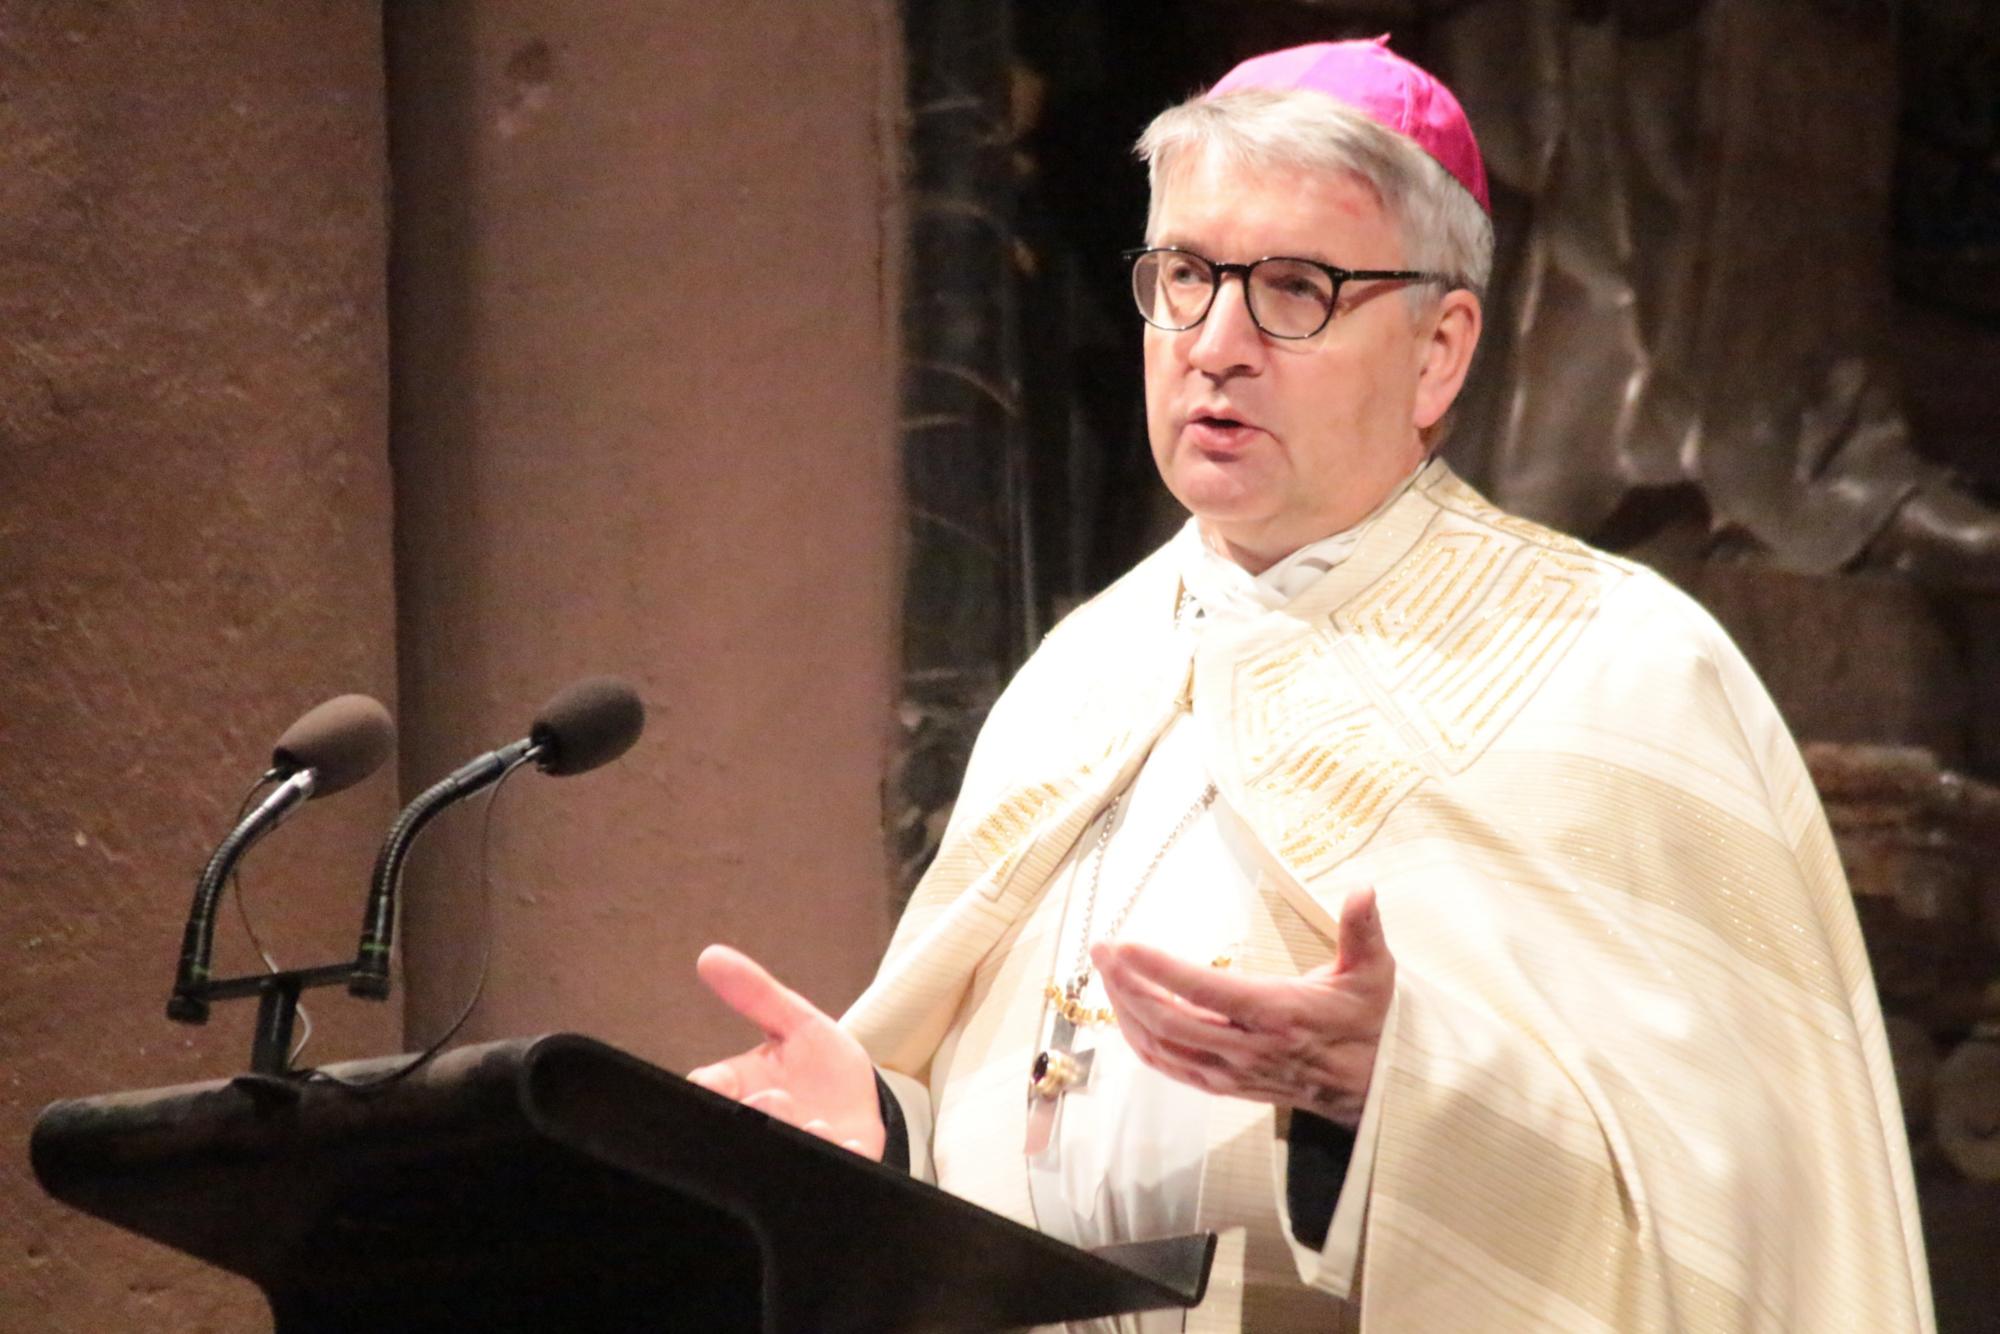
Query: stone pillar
644, 424
194, 548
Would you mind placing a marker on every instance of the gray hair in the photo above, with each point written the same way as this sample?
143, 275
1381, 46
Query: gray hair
1443, 227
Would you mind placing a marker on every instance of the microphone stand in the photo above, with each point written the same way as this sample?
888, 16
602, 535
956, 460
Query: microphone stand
277, 1009
590, 723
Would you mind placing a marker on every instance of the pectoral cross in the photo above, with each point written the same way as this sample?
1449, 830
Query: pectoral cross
1059, 1068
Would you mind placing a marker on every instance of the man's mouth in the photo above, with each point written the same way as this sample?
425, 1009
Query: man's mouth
1215, 432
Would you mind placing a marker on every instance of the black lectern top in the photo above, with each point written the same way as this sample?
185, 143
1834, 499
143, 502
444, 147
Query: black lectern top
558, 1183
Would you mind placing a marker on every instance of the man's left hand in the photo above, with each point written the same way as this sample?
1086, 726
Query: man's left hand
1306, 1042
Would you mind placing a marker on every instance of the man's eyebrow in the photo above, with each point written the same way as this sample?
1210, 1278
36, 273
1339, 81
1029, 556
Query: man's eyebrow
1173, 241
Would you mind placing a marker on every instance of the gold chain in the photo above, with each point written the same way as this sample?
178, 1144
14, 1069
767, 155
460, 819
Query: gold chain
1075, 1010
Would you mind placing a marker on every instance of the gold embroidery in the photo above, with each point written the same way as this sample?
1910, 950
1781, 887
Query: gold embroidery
1013, 818
1319, 834
1456, 639
1404, 616
1452, 492
1540, 606
1281, 699
1464, 646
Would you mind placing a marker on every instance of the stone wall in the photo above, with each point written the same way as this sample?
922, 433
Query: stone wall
194, 548
643, 319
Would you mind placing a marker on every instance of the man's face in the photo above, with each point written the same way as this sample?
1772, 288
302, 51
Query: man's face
1274, 443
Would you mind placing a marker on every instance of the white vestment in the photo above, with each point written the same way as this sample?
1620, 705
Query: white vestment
1633, 1076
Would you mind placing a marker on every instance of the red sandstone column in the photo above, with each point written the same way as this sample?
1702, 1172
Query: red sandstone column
194, 547
644, 424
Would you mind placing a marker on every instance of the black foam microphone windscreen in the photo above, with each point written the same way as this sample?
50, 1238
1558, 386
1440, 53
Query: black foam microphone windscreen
342, 741
589, 723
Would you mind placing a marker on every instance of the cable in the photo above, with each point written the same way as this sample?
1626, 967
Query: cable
430, 1053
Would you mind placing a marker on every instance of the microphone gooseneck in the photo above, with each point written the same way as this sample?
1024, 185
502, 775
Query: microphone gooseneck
587, 724
331, 747
378, 921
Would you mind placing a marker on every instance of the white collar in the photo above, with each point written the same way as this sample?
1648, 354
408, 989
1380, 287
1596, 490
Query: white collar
1225, 591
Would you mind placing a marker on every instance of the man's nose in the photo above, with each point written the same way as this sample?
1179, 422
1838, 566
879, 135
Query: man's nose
1227, 340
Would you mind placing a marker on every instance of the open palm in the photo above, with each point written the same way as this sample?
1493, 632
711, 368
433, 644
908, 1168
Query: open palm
808, 1072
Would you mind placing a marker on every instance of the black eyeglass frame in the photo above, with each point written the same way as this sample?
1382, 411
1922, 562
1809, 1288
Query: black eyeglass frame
1219, 271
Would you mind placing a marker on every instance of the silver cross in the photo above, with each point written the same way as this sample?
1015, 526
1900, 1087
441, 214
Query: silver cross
1058, 1068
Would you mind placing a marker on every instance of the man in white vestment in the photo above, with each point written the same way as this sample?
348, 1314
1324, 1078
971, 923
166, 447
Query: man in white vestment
1431, 905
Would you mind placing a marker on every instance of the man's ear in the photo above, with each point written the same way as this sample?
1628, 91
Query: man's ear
1447, 355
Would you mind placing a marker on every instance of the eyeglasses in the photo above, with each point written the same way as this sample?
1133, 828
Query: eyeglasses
1288, 298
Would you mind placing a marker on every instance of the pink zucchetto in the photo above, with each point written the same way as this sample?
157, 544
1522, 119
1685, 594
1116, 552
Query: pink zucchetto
1381, 85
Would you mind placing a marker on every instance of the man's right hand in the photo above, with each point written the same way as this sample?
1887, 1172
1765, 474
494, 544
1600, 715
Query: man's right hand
808, 1071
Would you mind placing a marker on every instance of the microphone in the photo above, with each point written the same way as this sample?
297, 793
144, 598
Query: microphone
587, 724
330, 748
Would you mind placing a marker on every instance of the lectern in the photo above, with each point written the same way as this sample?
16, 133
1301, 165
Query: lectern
557, 1183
